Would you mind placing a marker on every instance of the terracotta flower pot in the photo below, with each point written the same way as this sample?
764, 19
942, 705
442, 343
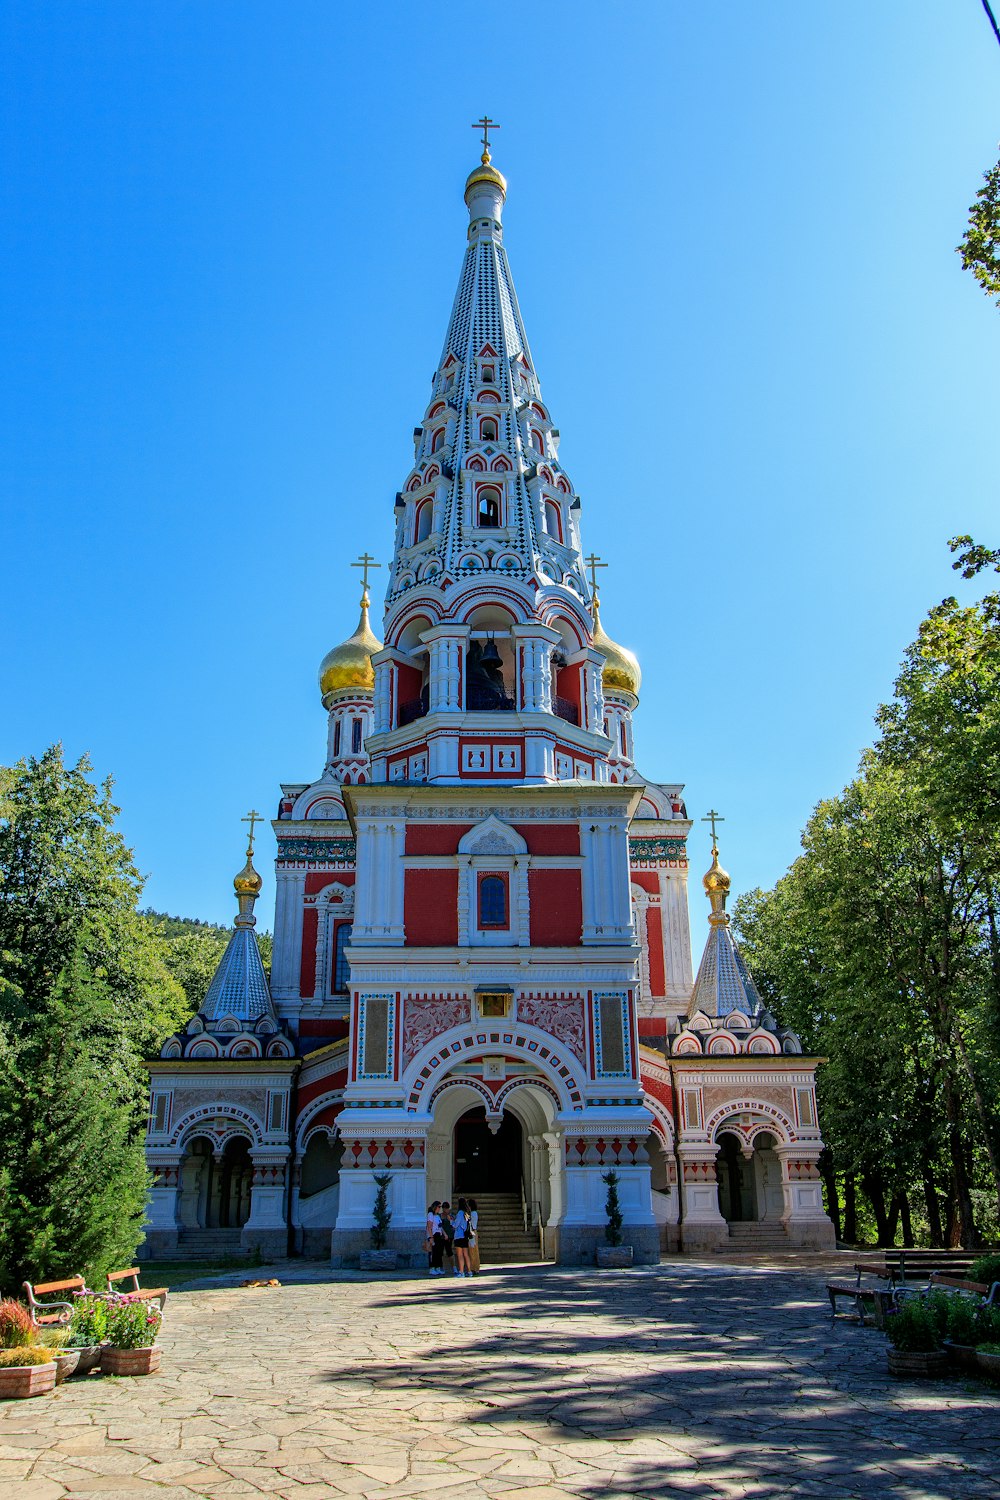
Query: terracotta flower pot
130, 1361
90, 1358
27, 1380
918, 1366
66, 1362
616, 1256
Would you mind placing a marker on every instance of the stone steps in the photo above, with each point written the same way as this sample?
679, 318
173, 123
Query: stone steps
502, 1236
208, 1244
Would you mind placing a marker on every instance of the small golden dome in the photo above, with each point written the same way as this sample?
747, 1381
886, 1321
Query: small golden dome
621, 672
717, 880
486, 172
349, 665
247, 882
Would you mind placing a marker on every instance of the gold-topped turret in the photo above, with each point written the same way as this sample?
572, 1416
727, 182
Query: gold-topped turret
349, 665
486, 172
716, 880
247, 882
621, 672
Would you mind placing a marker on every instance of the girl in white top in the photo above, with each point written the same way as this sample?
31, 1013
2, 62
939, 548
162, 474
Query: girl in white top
434, 1240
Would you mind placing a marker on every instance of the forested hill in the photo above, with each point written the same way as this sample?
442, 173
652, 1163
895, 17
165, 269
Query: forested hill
192, 949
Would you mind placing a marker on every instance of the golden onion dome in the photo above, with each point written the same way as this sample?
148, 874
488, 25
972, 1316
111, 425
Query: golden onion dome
487, 173
717, 880
349, 665
247, 882
621, 672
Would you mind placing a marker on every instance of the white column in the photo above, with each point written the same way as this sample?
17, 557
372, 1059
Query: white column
534, 646
446, 647
288, 909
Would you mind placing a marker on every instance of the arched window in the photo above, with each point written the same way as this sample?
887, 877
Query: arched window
493, 901
437, 440
341, 968
489, 374
336, 739
553, 520
488, 506
536, 440
424, 520
488, 429
356, 736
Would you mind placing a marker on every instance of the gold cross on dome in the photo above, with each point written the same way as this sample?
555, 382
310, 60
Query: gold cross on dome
364, 562
253, 817
593, 563
713, 818
485, 125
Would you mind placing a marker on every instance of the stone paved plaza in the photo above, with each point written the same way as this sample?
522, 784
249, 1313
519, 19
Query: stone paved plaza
699, 1380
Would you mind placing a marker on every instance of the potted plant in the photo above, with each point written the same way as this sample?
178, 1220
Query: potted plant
960, 1328
988, 1358
16, 1327
132, 1328
914, 1333
380, 1257
614, 1253
26, 1371
88, 1327
67, 1359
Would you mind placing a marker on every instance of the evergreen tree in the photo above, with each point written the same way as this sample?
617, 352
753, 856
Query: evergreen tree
612, 1208
381, 1214
84, 998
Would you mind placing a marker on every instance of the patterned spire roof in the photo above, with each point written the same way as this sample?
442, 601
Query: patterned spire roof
239, 986
723, 983
486, 423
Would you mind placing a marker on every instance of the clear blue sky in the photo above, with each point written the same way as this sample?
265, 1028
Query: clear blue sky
231, 234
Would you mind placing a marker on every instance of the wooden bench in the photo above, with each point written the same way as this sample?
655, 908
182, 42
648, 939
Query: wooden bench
916, 1265
49, 1314
136, 1293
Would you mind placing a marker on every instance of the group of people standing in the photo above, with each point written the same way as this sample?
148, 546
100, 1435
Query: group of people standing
453, 1236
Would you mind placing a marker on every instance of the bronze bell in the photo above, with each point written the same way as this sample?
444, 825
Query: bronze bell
490, 656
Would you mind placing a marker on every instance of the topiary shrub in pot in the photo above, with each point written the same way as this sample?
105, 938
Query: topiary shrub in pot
914, 1330
26, 1371
16, 1327
614, 1253
132, 1328
380, 1257
88, 1327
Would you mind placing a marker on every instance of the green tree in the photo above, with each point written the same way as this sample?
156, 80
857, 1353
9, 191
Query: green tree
980, 247
192, 950
84, 998
880, 946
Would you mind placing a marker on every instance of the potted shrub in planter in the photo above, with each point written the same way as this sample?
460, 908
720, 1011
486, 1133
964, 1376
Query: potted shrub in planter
88, 1326
131, 1348
16, 1327
379, 1257
67, 1359
26, 1371
988, 1359
614, 1253
914, 1333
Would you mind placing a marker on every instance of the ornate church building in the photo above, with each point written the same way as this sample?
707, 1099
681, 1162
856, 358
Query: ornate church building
482, 978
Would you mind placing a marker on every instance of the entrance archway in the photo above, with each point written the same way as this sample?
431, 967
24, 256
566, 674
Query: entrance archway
215, 1189
737, 1181
487, 1161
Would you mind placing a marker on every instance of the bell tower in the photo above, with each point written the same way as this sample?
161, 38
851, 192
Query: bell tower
490, 670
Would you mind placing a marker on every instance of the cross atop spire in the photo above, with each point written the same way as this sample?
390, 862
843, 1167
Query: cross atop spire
713, 818
593, 563
485, 125
253, 817
364, 562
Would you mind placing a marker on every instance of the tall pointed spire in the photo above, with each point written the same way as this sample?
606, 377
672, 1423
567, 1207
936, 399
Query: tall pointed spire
239, 985
724, 983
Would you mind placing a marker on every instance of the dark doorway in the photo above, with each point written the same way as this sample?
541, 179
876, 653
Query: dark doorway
737, 1195
487, 1163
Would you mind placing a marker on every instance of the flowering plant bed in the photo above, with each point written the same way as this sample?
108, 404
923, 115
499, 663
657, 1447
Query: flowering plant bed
26, 1372
16, 1327
132, 1328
